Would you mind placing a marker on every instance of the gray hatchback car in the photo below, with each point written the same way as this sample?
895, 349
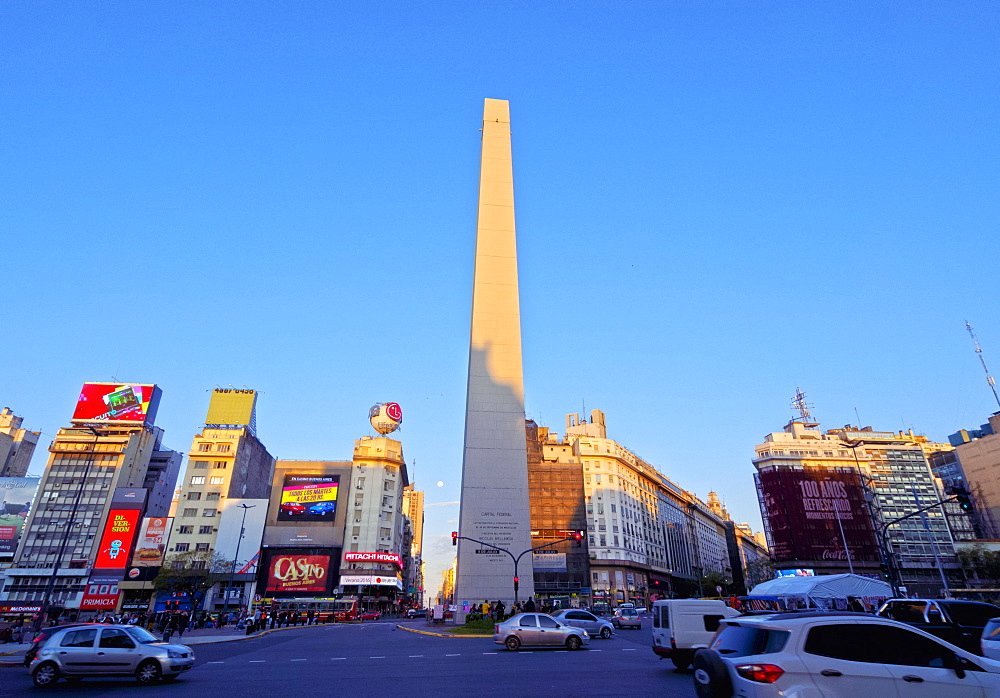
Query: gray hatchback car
108, 650
595, 627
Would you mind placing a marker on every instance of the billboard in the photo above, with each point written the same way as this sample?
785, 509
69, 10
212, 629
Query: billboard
16, 496
548, 561
805, 510
297, 572
231, 407
374, 557
152, 541
124, 403
119, 533
308, 497
370, 580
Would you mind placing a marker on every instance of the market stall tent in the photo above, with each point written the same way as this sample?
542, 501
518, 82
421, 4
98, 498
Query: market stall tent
824, 591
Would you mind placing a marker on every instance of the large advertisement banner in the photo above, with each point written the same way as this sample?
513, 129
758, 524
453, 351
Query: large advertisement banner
128, 403
152, 541
806, 509
119, 534
308, 497
16, 496
298, 572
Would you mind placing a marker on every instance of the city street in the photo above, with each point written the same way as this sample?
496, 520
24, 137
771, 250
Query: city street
379, 659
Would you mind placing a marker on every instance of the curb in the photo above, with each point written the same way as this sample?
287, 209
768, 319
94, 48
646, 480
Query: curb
424, 632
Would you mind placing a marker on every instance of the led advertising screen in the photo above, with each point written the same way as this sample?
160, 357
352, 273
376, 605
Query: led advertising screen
126, 403
308, 498
152, 541
119, 533
297, 572
805, 510
16, 496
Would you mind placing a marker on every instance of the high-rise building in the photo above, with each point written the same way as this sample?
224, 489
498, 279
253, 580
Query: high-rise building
17, 445
978, 456
112, 449
413, 506
831, 500
226, 462
494, 508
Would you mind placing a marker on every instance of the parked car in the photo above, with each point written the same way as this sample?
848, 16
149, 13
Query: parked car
578, 618
369, 615
538, 630
323, 508
600, 609
626, 618
44, 634
959, 622
79, 652
416, 612
292, 508
683, 626
836, 654
990, 641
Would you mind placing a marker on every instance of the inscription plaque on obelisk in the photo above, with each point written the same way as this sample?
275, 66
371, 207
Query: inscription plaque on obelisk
494, 505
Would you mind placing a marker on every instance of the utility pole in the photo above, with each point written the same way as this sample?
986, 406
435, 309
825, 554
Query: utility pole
232, 573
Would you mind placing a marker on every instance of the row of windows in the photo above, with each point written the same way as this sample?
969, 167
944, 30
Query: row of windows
190, 529
207, 513
184, 547
200, 480
195, 496
221, 448
203, 464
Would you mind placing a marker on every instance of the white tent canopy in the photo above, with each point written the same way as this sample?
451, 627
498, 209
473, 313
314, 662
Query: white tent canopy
825, 591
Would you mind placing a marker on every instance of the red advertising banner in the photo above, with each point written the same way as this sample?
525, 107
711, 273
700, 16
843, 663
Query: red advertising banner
152, 542
99, 603
298, 572
119, 533
806, 509
117, 402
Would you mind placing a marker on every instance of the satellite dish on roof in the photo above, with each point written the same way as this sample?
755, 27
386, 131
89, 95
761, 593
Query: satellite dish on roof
385, 417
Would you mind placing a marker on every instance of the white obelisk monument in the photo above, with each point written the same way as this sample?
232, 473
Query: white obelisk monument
495, 465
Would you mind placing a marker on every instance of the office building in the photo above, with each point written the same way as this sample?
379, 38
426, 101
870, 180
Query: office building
17, 445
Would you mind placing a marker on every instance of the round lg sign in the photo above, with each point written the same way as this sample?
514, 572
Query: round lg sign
385, 417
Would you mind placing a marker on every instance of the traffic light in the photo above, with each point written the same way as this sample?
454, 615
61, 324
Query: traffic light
578, 538
454, 537
516, 580
962, 497
885, 571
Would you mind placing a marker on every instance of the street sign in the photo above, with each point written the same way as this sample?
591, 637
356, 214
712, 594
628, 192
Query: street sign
718, 589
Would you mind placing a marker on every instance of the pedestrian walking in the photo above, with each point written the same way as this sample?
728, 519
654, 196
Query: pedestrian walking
529, 605
498, 607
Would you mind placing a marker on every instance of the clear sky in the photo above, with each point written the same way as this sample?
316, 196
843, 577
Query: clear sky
716, 202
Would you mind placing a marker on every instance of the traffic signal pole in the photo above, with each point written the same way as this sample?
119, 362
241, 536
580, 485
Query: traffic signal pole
577, 536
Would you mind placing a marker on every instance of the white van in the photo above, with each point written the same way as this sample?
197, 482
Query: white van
683, 626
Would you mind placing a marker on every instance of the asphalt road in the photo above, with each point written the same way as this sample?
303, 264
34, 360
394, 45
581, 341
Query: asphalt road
375, 658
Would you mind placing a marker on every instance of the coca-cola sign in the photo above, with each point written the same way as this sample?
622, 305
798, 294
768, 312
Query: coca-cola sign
806, 510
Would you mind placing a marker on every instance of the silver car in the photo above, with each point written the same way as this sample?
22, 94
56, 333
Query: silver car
595, 627
538, 630
108, 650
626, 618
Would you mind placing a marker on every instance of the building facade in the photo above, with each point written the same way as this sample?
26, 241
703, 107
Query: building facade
17, 445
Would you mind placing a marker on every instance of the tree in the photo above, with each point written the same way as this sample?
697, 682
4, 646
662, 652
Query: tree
759, 570
194, 572
981, 563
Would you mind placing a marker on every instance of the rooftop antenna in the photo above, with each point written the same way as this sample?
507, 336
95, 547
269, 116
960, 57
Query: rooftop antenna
799, 403
979, 352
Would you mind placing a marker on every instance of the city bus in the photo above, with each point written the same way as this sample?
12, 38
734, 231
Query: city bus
342, 609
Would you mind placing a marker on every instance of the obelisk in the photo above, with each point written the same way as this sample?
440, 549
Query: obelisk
494, 505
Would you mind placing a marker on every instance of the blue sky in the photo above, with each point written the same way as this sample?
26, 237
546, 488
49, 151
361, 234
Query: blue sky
717, 202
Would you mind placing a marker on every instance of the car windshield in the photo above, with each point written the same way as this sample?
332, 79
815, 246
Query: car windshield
142, 635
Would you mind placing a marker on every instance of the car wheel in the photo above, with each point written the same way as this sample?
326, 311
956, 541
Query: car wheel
606, 632
711, 675
148, 672
573, 642
512, 643
45, 675
681, 660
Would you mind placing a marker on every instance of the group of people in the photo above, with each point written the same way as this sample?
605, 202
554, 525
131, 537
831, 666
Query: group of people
498, 612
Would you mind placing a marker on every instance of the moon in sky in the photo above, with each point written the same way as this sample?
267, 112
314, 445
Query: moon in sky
440, 483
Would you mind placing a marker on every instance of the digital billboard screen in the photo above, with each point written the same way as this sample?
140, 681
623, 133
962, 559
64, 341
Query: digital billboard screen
16, 496
152, 541
297, 572
806, 509
119, 533
127, 403
308, 498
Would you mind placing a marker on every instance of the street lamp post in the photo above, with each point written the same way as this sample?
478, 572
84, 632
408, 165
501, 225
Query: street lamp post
232, 573
50, 586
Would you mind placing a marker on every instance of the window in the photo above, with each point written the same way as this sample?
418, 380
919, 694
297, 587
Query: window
209, 513
182, 547
178, 565
222, 448
204, 447
212, 496
116, 639
200, 464
221, 465
528, 622
877, 644
201, 546
198, 565
204, 529
546, 622
384, 533
194, 496
79, 638
186, 529
356, 531
740, 641
198, 480
216, 480
190, 512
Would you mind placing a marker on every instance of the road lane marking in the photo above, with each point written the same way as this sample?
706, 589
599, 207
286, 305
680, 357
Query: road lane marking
214, 662
453, 655
376, 658
596, 650
628, 649
336, 658
257, 661
489, 652
298, 660
414, 656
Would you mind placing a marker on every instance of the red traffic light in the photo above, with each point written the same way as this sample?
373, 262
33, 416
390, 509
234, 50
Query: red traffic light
516, 580
454, 537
